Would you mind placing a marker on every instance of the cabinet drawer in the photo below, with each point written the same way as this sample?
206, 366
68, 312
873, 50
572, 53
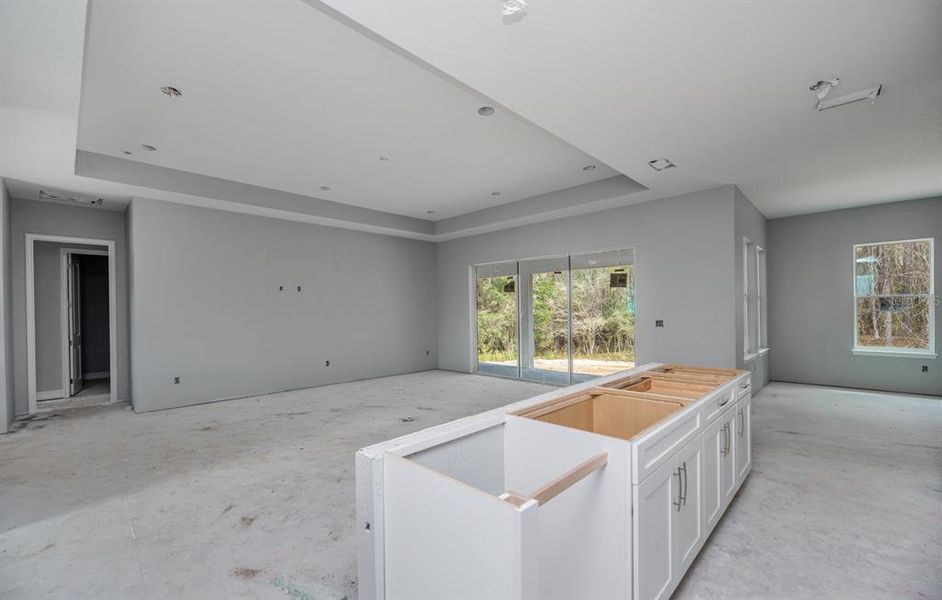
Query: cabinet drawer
655, 447
714, 405
743, 387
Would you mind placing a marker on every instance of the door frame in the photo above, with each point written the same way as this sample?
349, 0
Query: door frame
64, 309
31, 239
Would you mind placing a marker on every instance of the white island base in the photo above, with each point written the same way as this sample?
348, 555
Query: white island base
604, 490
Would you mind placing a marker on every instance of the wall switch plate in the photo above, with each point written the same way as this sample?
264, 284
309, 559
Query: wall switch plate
176, 380
659, 323
428, 353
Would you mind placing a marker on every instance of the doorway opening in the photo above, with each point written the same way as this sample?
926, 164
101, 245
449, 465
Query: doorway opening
71, 331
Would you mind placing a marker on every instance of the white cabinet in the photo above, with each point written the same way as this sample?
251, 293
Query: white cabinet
719, 468
668, 523
688, 531
607, 489
653, 524
743, 438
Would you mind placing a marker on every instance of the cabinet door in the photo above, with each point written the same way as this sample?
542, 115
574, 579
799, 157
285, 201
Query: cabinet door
712, 498
654, 500
728, 456
743, 438
688, 518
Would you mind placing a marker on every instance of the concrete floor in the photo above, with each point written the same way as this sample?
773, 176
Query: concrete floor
253, 498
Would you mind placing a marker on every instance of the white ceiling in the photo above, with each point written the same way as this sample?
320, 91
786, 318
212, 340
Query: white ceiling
720, 88
284, 96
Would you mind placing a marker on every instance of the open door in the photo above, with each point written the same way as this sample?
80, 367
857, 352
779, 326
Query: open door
75, 327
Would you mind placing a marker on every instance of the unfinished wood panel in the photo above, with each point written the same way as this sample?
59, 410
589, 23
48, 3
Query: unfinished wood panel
570, 478
682, 389
695, 378
624, 418
609, 412
649, 396
578, 415
672, 368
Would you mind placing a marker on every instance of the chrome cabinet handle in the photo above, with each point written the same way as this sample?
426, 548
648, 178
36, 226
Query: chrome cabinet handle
679, 490
742, 429
744, 384
724, 402
723, 447
683, 500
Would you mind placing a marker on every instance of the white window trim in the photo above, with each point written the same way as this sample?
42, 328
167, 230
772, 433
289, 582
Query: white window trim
889, 351
901, 353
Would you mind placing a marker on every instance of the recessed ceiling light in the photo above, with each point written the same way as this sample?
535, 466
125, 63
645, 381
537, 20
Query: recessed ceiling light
495, 193
486, 111
148, 147
171, 91
325, 188
430, 212
384, 158
128, 152
588, 168
45, 194
659, 164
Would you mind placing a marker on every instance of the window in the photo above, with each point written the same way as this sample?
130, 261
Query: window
894, 302
556, 320
761, 302
754, 307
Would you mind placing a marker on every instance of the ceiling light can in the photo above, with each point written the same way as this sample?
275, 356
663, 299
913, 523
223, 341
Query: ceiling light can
588, 168
169, 90
486, 111
149, 148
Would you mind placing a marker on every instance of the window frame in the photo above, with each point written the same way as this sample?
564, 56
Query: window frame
889, 351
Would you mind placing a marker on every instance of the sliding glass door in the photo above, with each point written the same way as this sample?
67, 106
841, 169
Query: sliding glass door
497, 343
603, 314
557, 320
545, 324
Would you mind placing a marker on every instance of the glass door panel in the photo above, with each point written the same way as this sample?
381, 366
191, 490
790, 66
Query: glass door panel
545, 326
497, 342
603, 314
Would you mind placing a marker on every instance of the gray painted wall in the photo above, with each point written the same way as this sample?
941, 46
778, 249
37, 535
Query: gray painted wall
7, 408
810, 267
47, 276
206, 305
684, 269
752, 224
30, 216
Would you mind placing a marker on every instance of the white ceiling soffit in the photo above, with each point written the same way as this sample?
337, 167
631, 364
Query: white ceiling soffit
31, 191
283, 96
719, 88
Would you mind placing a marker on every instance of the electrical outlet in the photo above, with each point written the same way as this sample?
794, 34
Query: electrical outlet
428, 353
659, 323
925, 368
176, 381
327, 363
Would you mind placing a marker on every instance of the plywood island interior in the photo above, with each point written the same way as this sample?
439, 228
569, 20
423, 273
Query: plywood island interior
603, 490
